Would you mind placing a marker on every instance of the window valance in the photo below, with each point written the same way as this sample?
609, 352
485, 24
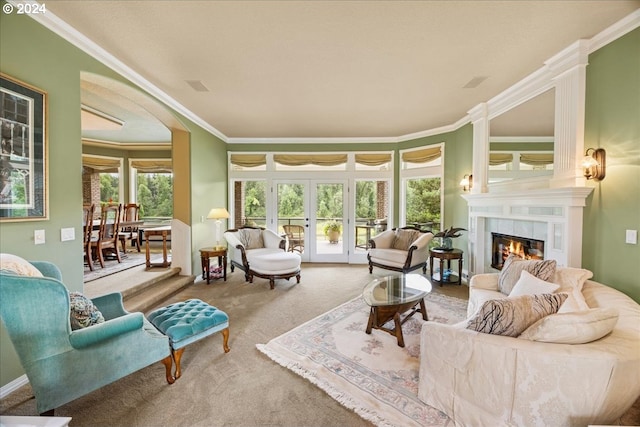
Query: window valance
153, 166
422, 156
496, 159
537, 159
310, 159
373, 159
101, 164
249, 160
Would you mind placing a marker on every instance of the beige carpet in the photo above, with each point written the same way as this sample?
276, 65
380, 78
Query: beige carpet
239, 388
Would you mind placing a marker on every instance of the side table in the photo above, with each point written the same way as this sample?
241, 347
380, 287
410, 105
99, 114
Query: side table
442, 256
206, 254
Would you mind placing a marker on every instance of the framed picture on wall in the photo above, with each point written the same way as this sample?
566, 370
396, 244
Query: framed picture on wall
23, 151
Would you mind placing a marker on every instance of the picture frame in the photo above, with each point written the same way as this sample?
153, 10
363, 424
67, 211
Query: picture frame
23, 152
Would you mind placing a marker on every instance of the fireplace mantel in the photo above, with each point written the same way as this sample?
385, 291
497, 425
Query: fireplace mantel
553, 215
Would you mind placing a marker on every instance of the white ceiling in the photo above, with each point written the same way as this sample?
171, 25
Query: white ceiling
341, 69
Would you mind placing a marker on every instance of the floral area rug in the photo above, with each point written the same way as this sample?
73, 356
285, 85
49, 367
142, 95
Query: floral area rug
369, 374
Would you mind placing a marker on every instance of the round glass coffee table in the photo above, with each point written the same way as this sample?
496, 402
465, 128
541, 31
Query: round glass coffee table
391, 296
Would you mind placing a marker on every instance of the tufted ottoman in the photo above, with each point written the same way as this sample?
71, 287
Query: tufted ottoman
187, 322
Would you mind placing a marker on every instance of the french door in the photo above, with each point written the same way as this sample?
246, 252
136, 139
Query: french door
318, 206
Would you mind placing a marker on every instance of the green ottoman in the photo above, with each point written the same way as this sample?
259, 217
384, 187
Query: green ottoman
187, 322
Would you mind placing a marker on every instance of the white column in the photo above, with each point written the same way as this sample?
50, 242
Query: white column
480, 121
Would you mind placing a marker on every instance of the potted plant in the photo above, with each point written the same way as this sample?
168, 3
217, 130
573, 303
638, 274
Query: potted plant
446, 237
332, 230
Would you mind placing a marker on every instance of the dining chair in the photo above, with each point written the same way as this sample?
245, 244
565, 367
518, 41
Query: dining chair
87, 218
129, 232
107, 239
295, 234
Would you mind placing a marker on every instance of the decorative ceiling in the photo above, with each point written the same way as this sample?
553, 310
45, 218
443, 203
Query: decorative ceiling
332, 69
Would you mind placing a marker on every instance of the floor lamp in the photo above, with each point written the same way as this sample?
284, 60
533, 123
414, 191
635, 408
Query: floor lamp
218, 214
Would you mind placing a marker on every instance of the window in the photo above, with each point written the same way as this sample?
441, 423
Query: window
250, 203
152, 187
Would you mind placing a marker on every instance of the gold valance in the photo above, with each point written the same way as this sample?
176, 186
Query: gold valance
101, 164
373, 159
496, 159
153, 166
537, 159
249, 160
310, 159
422, 156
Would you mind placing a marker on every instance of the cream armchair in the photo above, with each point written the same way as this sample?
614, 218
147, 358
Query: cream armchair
261, 252
403, 249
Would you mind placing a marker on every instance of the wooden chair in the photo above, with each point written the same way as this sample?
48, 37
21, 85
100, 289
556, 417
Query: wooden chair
107, 239
130, 212
88, 211
295, 234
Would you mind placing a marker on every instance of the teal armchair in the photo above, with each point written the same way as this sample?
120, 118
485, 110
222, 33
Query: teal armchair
63, 364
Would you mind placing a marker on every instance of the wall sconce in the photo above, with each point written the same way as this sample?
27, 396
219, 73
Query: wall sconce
594, 164
218, 214
467, 182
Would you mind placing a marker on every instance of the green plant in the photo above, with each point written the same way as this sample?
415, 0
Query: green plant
451, 232
332, 226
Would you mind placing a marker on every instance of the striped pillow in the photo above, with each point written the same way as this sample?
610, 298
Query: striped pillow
404, 239
513, 267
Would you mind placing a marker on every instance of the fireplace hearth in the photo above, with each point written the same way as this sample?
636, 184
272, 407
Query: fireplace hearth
503, 245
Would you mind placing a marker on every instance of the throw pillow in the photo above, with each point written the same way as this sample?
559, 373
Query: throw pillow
83, 312
513, 266
528, 284
573, 328
404, 238
511, 316
18, 265
251, 238
571, 280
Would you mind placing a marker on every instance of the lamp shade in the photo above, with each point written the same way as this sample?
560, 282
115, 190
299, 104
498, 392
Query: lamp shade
218, 213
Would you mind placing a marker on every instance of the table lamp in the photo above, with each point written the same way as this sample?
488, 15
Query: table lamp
218, 214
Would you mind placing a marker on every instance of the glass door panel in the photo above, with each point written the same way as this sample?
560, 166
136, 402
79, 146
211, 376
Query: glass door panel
371, 206
329, 223
292, 218
249, 203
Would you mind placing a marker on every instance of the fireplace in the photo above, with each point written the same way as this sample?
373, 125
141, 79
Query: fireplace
503, 245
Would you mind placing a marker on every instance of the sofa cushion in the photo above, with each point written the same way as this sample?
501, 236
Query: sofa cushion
528, 284
404, 238
513, 266
273, 261
18, 265
573, 328
251, 238
83, 312
511, 316
388, 256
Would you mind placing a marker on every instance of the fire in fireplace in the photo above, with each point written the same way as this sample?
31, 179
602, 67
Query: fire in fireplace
503, 245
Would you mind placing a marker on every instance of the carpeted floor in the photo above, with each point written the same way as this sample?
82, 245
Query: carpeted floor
239, 388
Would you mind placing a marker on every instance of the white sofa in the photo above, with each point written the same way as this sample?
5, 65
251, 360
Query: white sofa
402, 249
480, 379
261, 252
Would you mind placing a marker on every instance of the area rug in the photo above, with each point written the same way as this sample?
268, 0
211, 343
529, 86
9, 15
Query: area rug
369, 374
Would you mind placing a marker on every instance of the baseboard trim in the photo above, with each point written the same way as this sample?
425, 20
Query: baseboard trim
13, 386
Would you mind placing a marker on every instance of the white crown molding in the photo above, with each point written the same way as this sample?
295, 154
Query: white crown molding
329, 140
70, 34
615, 31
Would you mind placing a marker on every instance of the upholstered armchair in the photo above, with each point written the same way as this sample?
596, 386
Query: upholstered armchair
262, 253
63, 364
400, 249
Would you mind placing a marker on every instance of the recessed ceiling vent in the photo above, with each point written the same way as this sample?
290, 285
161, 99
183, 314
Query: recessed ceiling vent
475, 82
197, 85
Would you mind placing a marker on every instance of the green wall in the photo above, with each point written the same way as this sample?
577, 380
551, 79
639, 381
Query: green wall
31, 53
613, 123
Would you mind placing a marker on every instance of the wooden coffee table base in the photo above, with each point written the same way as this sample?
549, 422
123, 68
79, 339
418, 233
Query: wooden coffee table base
380, 315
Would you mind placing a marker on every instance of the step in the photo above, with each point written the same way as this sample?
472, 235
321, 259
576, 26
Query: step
152, 296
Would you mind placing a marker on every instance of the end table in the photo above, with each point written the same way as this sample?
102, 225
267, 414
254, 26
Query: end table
206, 254
445, 255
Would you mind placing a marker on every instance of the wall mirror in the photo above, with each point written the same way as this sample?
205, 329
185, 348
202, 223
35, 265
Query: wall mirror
521, 140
